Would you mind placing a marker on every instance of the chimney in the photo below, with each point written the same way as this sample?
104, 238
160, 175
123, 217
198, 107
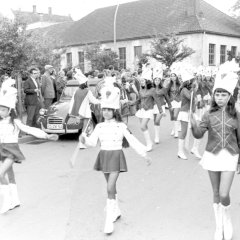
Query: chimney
49, 11
193, 7
34, 9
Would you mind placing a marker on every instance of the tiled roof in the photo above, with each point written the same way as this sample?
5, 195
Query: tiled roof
145, 18
31, 17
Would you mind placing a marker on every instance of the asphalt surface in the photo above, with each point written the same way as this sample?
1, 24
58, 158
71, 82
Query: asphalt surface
169, 200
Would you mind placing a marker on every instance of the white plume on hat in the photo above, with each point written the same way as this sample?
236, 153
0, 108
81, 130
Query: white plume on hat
227, 77
187, 72
80, 77
8, 97
110, 97
146, 72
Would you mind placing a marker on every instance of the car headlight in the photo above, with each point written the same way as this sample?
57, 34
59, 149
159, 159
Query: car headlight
42, 111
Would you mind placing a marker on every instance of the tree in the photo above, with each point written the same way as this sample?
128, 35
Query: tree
168, 48
20, 49
101, 58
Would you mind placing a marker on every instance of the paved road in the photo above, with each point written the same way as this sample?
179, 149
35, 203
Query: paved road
170, 200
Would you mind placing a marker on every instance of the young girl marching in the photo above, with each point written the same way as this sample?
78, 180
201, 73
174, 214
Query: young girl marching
10, 153
175, 98
163, 96
147, 99
111, 160
222, 151
188, 90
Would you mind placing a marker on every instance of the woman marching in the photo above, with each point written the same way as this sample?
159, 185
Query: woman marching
111, 160
163, 96
147, 99
175, 98
188, 90
10, 152
222, 151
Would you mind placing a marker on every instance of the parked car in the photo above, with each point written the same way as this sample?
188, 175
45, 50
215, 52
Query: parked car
56, 119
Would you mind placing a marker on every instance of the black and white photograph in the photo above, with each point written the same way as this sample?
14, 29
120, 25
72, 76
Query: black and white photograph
120, 120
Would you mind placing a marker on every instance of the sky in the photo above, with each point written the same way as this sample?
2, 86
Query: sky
80, 8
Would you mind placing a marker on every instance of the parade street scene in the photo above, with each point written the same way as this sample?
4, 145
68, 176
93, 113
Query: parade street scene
120, 119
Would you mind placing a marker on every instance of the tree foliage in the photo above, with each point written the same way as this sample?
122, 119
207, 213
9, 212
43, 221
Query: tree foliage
236, 6
20, 49
100, 58
168, 48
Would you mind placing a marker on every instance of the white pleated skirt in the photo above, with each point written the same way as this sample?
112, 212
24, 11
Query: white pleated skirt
223, 161
156, 111
142, 113
176, 104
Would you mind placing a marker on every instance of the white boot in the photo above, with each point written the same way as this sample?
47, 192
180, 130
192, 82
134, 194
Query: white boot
227, 223
156, 129
82, 145
195, 148
181, 153
15, 202
218, 235
148, 140
117, 211
109, 227
6, 200
176, 126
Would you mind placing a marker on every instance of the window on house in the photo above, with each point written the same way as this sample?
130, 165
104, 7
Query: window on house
137, 52
234, 51
81, 61
69, 59
122, 57
211, 54
223, 49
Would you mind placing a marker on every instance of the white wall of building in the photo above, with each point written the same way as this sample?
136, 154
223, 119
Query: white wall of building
198, 42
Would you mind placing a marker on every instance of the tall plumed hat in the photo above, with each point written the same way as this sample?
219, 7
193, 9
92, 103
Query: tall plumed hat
8, 97
110, 97
80, 77
227, 77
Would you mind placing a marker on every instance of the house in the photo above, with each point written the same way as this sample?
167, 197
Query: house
36, 20
128, 29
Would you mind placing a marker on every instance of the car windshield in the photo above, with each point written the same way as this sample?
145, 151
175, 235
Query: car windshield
68, 92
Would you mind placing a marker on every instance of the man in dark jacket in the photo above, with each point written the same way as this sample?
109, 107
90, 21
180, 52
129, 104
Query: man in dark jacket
32, 98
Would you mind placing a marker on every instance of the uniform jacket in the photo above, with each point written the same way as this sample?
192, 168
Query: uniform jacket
223, 132
148, 97
162, 94
31, 97
47, 87
111, 134
186, 99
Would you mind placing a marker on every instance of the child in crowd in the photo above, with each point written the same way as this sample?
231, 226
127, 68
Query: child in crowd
10, 152
222, 151
111, 160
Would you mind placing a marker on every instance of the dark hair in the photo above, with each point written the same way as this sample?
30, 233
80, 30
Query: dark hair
116, 114
32, 69
159, 85
230, 108
100, 75
83, 85
178, 83
187, 84
111, 67
12, 114
149, 84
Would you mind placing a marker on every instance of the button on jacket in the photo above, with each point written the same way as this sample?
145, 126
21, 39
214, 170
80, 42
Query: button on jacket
222, 132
